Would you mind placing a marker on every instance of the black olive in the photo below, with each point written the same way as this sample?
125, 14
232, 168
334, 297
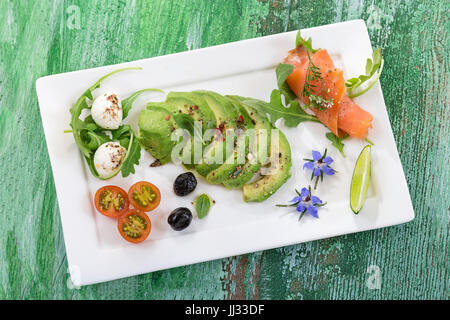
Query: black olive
180, 218
184, 184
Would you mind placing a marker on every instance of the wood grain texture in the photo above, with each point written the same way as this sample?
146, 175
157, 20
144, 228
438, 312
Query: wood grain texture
42, 38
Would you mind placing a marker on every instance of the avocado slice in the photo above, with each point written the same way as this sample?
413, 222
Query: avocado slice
243, 173
255, 108
155, 128
231, 167
182, 105
226, 116
266, 186
194, 103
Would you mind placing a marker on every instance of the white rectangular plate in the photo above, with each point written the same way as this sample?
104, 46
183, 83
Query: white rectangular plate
95, 250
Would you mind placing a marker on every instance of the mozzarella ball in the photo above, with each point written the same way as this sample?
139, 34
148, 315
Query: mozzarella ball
108, 158
107, 111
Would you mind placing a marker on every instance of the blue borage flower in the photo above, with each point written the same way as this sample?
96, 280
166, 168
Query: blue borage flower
319, 165
305, 202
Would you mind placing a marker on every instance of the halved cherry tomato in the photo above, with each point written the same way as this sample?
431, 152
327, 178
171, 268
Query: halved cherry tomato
134, 226
144, 196
111, 201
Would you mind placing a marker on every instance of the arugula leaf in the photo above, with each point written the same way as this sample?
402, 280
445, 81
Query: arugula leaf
78, 125
185, 121
96, 140
88, 92
336, 142
122, 131
202, 205
128, 102
362, 84
283, 71
299, 42
132, 157
90, 124
124, 142
91, 166
293, 115
92, 127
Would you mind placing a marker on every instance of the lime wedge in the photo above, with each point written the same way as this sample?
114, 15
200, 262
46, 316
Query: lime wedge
360, 180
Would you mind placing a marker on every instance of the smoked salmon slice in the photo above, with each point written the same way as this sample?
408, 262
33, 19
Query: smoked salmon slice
353, 119
343, 114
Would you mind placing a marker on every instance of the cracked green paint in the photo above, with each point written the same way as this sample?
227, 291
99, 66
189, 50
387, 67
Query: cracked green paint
42, 38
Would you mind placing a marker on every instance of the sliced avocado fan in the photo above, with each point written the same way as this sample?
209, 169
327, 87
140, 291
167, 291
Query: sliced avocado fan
233, 170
